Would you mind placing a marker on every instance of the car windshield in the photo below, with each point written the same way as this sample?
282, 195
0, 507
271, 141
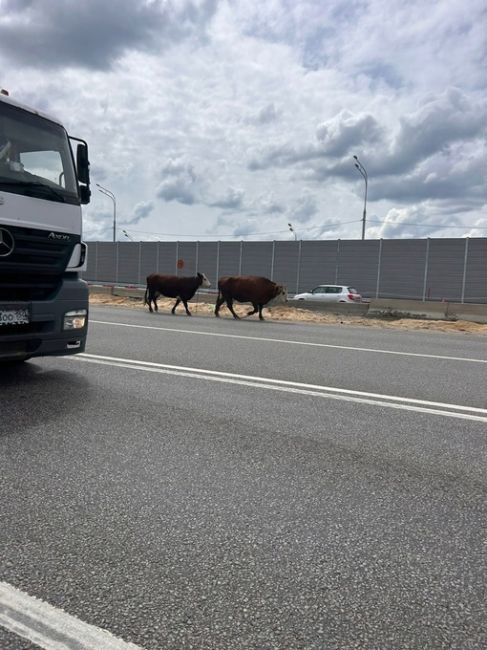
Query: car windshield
352, 290
35, 156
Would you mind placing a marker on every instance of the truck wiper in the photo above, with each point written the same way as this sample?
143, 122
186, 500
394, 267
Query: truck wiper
39, 188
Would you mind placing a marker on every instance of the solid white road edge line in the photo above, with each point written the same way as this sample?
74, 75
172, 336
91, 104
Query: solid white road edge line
52, 628
330, 392
291, 342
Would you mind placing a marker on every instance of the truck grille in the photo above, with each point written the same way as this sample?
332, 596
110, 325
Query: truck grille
35, 268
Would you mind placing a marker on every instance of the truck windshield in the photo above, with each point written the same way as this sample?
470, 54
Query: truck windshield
35, 157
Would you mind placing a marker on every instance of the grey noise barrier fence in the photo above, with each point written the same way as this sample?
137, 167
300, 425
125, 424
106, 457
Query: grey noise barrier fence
453, 270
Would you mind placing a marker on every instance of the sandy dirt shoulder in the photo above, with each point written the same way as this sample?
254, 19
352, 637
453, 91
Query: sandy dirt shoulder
287, 313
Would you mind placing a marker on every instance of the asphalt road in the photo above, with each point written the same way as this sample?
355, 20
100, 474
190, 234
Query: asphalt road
211, 484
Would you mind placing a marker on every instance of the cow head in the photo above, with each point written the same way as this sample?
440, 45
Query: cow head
205, 283
281, 295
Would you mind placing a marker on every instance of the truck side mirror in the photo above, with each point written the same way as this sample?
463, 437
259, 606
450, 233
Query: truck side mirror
84, 194
83, 164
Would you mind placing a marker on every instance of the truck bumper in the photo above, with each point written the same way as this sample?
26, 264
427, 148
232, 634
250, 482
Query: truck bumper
44, 336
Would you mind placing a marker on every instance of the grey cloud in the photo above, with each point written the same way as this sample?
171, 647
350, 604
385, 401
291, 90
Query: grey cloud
468, 182
283, 156
179, 183
404, 223
244, 230
265, 115
141, 211
178, 167
335, 138
379, 71
440, 122
437, 153
303, 209
98, 226
176, 190
269, 205
94, 34
232, 200
347, 130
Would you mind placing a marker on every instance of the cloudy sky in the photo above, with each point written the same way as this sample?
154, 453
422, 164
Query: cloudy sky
221, 119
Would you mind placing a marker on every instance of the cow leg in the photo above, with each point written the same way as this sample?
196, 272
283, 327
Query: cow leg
219, 302
230, 307
260, 312
256, 307
185, 303
149, 301
152, 299
173, 310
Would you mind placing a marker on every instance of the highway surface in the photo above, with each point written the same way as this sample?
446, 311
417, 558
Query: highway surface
213, 484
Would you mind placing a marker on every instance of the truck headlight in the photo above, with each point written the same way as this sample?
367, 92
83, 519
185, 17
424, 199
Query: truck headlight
75, 320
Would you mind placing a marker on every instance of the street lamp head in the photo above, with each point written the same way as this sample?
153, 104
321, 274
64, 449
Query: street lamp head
356, 158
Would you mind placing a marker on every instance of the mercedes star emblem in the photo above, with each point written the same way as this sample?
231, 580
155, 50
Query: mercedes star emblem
7, 243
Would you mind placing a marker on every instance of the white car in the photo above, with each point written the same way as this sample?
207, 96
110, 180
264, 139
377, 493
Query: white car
331, 293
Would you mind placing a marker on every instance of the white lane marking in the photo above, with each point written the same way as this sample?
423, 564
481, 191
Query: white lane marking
52, 628
291, 342
330, 392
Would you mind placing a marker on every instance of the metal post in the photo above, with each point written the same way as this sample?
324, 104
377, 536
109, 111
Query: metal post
111, 195
365, 209
465, 260
116, 261
378, 269
96, 259
197, 256
177, 257
337, 261
272, 259
240, 260
299, 265
426, 262
140, 263
364, 175
157, 256
217, 262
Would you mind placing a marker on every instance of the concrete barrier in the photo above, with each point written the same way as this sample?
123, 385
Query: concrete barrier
464, 311
384, 308
340, 308
101, 288
128, 292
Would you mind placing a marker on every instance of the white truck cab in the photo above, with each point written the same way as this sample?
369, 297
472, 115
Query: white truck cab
43, 300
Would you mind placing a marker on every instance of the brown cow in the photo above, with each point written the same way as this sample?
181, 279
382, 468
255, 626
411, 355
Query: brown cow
248, 288
171, 286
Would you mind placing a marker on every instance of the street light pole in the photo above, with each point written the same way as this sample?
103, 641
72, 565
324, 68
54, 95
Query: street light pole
293, 231
363, 171
111, 195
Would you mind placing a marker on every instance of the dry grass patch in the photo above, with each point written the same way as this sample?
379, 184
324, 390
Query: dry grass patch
294, 314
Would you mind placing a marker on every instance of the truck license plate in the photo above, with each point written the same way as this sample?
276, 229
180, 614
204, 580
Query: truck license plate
12, 315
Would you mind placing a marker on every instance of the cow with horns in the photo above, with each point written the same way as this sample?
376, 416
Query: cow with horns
172, 286
248, 288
